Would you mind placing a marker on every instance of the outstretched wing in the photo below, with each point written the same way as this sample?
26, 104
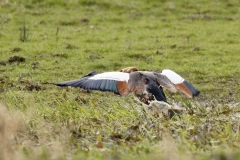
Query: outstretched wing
179, 82
164, 81
116, 82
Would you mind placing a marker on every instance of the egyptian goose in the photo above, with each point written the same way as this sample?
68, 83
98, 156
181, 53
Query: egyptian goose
147, 86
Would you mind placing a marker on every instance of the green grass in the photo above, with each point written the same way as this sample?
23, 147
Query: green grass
63, 40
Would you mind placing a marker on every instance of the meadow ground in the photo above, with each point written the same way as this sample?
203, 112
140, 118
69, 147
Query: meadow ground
58, 40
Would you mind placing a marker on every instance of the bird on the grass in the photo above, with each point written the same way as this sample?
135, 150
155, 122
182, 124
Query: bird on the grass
145, 85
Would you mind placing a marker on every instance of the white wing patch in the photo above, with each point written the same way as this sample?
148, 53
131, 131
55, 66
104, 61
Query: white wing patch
118, 76
172, 76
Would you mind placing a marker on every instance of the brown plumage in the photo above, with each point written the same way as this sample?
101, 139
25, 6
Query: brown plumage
167, 81
147, 86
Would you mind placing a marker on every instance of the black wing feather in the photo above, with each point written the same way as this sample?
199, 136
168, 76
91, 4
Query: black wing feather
91, 84
195, 91
73, 83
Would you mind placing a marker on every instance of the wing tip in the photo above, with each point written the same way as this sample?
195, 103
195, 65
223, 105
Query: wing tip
187, 89
60, 84
194, 91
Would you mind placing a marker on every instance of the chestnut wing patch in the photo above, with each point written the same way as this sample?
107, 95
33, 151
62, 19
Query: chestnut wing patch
122, 87
193, 90
182, 85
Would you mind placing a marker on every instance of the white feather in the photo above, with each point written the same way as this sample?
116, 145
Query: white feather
172, 76
118, 76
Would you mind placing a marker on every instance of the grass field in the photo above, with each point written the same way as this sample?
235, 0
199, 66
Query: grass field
57, 40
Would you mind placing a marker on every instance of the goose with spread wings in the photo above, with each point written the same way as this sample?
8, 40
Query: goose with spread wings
145, 85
